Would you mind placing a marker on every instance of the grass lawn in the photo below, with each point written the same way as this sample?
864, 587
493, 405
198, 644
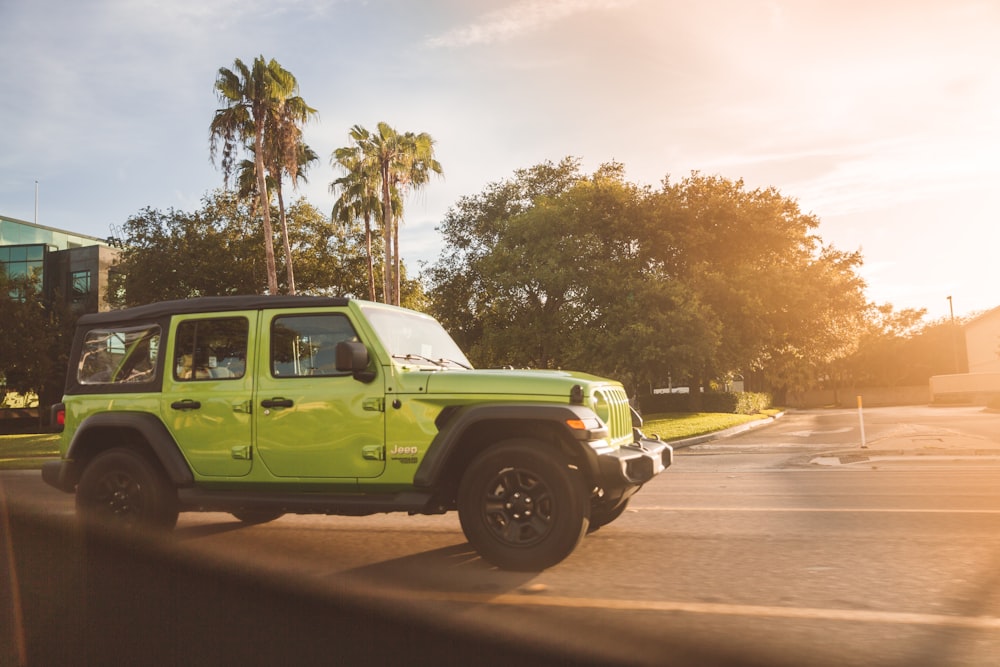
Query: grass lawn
680, 425
25, 452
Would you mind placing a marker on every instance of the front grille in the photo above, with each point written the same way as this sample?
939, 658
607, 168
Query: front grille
619, 413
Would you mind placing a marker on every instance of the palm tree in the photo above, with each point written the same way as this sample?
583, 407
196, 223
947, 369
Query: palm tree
247, 189
357, 200
382, 165
359, 194
253, 97
287, 154
414, 172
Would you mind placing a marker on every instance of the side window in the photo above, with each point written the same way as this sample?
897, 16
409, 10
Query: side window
115, 356
306, 345
213, 349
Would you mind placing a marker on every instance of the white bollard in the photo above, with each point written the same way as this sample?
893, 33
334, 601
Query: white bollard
861, 419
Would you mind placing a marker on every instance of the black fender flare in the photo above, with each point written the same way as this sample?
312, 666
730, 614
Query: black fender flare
151, 429
449, 438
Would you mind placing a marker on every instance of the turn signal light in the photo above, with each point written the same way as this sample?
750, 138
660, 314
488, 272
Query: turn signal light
583, 424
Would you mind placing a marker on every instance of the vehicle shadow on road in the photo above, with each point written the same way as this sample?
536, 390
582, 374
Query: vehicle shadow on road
453, 569
186, 533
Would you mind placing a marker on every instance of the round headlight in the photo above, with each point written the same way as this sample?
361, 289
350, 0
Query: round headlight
601, 407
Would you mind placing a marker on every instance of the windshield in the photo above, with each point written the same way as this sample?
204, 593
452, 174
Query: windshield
416, 338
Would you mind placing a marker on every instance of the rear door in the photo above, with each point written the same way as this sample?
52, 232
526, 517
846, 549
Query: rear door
311, 420
207, 391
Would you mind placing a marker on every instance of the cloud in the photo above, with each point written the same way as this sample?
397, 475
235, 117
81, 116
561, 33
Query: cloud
518, 19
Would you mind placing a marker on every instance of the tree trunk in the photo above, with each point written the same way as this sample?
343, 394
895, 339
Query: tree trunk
284, 238
395, 259
368, 254
387, 280
695, 397
272, 269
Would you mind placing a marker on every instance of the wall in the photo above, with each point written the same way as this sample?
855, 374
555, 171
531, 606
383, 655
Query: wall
982, 339
847, 397
978, 388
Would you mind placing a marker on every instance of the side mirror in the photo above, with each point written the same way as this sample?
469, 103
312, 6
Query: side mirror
352, 357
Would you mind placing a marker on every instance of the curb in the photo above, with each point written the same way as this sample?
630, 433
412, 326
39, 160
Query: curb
725, 433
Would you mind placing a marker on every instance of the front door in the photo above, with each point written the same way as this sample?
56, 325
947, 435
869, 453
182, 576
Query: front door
313, 421
207, 391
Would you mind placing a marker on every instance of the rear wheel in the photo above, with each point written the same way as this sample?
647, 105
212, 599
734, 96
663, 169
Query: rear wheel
521, 506
120, 487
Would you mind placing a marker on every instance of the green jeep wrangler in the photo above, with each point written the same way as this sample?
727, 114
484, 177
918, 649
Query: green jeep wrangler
260, 406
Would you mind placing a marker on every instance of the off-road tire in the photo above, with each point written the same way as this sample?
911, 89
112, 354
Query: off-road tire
521, 506
601, 518
122, 488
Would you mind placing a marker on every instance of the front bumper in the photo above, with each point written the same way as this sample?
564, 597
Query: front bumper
639, 462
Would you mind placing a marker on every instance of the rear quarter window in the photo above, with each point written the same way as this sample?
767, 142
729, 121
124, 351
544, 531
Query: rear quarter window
119, 356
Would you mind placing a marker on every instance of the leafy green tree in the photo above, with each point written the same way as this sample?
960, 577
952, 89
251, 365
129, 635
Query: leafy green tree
688, 283
262, 111
548, 270
898, 348
330, 256
755, 260
33, 342
178, 255
209, 252
472, 229
247, 189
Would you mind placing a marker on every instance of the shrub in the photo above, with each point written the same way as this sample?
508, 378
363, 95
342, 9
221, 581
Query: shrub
738, 403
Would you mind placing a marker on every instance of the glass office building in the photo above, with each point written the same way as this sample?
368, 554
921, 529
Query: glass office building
72, 267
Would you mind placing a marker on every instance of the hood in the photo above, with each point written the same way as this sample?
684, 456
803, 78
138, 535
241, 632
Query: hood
513, 382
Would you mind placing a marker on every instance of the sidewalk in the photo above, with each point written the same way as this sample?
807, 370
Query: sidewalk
905, 442
910, 442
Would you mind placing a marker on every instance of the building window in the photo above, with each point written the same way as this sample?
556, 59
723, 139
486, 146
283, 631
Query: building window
79, 285
22, 264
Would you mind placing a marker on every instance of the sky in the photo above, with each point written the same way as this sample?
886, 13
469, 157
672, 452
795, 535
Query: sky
879, 117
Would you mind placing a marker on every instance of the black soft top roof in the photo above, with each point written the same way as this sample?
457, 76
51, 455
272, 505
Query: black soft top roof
208, 304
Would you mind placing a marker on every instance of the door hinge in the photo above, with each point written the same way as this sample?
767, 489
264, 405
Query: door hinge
246, 407
373, 452
241, 452
374, 404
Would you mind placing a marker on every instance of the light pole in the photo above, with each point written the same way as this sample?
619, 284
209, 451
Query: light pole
954, 336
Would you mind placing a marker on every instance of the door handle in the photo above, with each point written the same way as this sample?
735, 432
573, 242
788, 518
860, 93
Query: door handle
186, 404
277, 403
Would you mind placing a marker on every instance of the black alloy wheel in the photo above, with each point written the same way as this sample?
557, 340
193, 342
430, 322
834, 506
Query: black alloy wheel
521, 506
122, 488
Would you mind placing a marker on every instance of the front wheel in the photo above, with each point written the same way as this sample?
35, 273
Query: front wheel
521, 506
604, 516
120, 487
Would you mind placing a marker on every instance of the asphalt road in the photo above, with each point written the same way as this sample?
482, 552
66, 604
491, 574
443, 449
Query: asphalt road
787, 544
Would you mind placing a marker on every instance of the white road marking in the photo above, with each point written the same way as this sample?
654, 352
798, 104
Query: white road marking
809, 434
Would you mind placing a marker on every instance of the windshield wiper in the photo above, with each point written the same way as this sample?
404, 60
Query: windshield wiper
417, 357
457, 363
437, 362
